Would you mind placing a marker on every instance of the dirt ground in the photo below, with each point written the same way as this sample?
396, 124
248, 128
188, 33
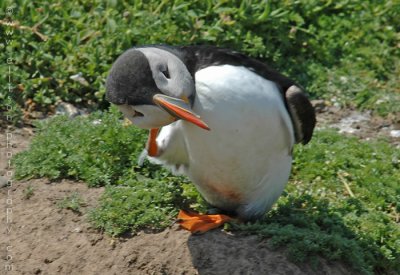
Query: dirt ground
38, 237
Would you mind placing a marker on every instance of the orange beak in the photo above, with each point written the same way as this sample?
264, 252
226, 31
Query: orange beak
179, 109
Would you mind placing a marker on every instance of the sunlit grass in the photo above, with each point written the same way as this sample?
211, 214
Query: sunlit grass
342, 50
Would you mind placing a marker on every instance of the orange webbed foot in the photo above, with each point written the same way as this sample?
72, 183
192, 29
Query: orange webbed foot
201, 223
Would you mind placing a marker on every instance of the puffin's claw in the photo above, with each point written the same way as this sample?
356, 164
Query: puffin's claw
199, 223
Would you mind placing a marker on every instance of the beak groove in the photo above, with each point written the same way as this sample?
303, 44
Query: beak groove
179, 109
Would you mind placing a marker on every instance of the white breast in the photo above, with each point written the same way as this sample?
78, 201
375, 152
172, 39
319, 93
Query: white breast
244, 162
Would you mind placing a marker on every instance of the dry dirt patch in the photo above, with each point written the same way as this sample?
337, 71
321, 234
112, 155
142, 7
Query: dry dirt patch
48, 240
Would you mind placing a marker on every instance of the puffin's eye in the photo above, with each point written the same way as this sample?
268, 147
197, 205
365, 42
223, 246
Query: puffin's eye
165, 72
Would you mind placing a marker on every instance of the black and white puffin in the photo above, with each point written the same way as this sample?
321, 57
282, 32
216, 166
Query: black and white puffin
227, 121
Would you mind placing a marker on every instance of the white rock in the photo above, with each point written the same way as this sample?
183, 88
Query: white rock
65, 108
79, 78
346, 124
3, 182
395, 133
77, 230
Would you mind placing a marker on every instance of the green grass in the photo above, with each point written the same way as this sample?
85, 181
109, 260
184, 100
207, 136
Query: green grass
73, 202
346, 51
149, 204
316, 216
87, 149
28, 192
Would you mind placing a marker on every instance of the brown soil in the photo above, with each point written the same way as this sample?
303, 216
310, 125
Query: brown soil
45, 239
38, 237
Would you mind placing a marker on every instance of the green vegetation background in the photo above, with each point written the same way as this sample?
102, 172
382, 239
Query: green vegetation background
347, 52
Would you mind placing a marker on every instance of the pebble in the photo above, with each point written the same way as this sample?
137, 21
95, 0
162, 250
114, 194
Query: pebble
77, 230
395, 133
69, 110
3, 182
79, 78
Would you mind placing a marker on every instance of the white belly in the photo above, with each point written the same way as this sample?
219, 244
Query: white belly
243, 162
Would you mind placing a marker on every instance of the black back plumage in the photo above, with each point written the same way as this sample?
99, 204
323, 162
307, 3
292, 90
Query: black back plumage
299, 107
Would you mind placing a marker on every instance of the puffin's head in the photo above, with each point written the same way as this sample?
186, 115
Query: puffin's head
152, 88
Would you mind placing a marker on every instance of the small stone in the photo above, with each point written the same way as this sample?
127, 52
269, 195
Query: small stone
395, 133
3, 182
47, 261
319, 105
79, 78
69, 110
77, 230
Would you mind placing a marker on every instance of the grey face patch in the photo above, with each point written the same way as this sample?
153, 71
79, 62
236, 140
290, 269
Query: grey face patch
169, 73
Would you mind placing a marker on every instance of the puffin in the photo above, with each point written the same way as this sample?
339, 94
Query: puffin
225, 120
